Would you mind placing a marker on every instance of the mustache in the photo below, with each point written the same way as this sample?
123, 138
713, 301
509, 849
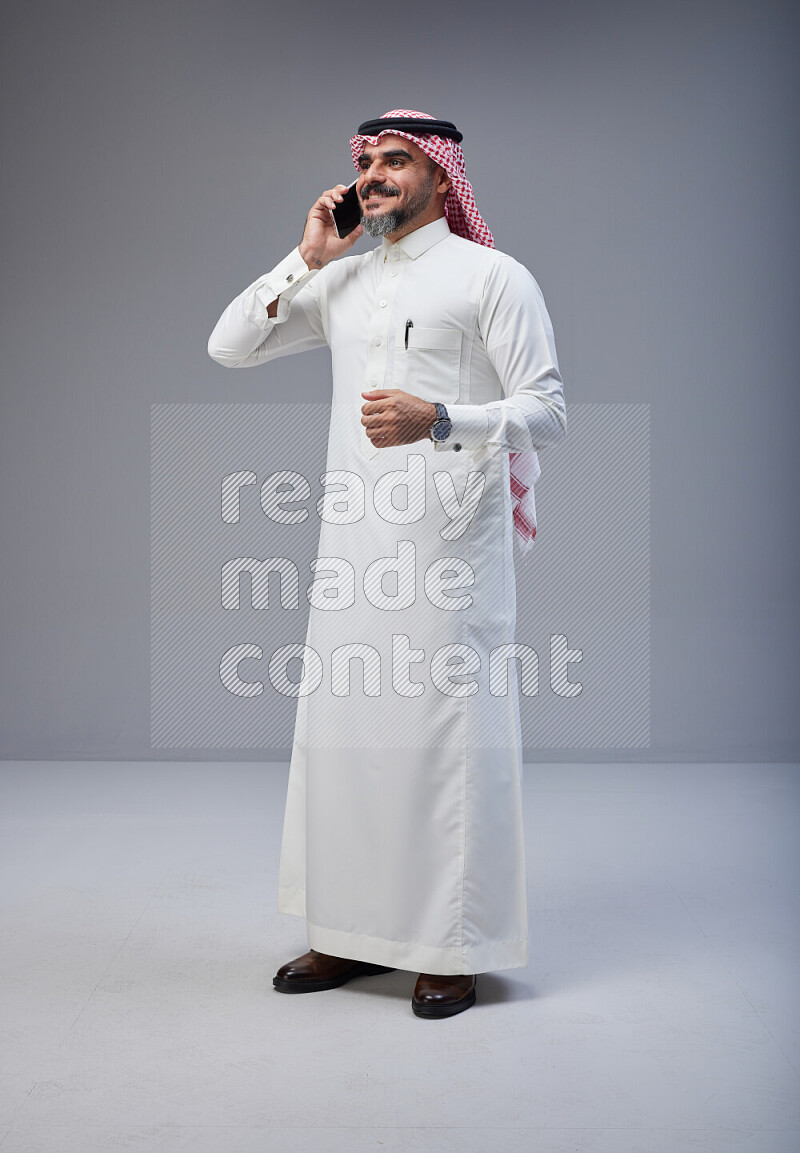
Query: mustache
379, 189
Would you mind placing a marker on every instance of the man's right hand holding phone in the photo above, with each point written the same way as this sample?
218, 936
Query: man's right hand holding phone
321, 242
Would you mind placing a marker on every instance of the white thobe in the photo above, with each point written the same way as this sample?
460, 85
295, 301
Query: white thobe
402, 839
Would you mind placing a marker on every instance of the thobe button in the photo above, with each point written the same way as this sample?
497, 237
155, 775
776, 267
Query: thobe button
383, 304
393, 272
377, 340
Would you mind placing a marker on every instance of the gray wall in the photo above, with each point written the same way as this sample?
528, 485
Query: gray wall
640, 160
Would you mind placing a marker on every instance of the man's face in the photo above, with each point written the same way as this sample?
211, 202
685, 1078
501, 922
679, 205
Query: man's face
397, 187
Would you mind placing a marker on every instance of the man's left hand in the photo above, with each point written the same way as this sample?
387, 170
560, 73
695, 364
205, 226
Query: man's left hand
392, 417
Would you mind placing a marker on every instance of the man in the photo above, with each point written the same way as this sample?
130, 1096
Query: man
402, 842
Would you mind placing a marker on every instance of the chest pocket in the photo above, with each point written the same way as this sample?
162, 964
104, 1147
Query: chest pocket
430, 365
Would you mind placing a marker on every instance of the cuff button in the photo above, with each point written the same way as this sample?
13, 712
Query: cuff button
290, 278
456, 448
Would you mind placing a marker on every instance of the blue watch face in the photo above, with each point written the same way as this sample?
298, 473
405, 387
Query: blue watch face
441, 429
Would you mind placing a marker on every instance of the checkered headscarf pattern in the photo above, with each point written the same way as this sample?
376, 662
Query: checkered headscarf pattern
465, 220
460, 207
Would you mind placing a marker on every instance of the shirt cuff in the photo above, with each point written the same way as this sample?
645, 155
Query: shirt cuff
470, 426
282, 283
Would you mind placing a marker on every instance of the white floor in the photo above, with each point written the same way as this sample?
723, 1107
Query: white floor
140, 937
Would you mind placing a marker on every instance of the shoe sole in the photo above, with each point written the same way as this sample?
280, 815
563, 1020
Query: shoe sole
435, 1011
317, 985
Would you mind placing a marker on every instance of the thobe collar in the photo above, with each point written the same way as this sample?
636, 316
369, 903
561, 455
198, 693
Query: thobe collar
418, 241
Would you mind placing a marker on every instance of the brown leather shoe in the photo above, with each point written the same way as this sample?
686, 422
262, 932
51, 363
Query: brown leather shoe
443, 996
315, 971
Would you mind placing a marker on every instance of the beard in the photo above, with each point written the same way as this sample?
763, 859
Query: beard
394, 218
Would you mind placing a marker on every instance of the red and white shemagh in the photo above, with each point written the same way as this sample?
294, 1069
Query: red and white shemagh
466, 221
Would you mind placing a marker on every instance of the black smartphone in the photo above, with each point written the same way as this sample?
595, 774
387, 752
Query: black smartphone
347, 214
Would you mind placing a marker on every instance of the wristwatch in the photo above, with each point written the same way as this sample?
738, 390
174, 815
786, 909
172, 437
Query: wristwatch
441, 427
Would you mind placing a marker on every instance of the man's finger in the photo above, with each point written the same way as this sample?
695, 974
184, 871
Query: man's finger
334, 193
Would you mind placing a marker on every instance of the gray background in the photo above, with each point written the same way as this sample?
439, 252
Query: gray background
159, 157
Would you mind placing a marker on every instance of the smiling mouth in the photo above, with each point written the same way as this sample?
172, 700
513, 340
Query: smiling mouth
366, 197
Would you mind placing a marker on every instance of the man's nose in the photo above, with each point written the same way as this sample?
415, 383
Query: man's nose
375, 174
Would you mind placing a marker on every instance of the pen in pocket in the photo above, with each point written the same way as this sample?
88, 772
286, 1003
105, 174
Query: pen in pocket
409, 324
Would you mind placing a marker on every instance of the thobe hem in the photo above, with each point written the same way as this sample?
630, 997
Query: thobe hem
485, 957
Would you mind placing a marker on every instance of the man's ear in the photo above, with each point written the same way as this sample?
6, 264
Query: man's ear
443, 182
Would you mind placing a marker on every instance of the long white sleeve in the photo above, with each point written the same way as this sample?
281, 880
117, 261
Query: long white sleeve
245, 335
519, 342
